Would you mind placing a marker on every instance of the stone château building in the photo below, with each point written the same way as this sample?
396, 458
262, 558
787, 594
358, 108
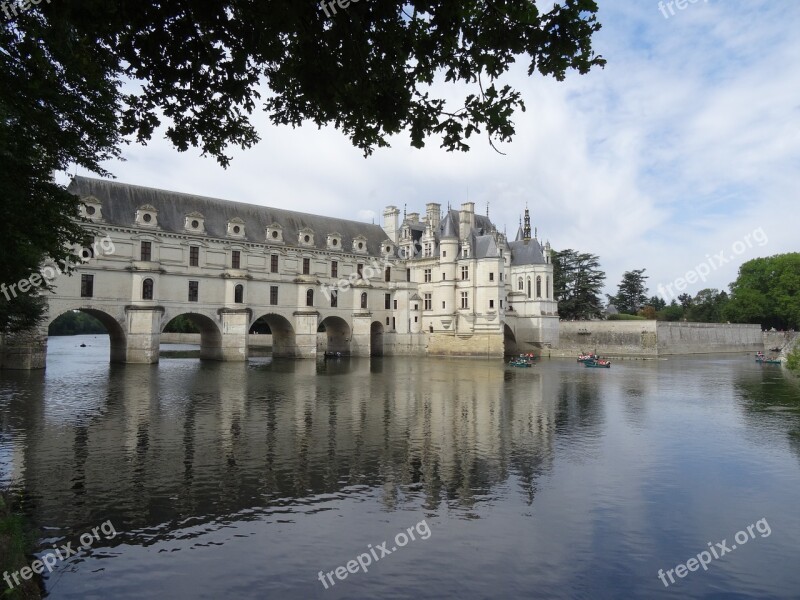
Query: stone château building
448, 283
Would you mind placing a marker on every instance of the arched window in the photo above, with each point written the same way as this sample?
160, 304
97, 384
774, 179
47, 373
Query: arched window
538, 286
310, 298
529, 287
238, 294
520, 285
147, 289
364, 300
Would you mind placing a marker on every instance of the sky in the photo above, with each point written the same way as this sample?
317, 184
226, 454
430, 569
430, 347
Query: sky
679, 157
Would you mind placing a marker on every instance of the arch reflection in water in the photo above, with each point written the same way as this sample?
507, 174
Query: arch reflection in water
199, 440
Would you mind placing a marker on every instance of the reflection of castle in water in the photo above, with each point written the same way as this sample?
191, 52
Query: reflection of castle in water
199, 441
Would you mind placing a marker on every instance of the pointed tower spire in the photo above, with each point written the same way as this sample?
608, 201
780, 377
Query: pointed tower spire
526, 233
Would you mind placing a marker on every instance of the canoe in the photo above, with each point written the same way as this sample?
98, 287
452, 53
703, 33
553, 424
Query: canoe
768, 361
596, 365
522, 364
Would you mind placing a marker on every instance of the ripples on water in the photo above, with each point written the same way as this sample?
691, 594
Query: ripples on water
246, 480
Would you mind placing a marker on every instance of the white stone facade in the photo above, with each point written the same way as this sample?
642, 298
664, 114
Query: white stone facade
444, 284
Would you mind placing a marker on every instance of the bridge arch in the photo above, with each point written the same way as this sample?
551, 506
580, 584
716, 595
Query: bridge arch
284, 343
210, 334
334, 334
509, 341
115, 328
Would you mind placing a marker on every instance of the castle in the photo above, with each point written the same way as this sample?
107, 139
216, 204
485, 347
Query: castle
446, 284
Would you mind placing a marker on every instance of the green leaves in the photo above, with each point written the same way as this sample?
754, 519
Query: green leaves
767, 291
577, 281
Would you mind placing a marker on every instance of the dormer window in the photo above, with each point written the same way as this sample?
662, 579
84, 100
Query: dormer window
91, 208
147, 216
236, 228
388, 248
360, 244
274, 234
306, 237
194, 222
334, 241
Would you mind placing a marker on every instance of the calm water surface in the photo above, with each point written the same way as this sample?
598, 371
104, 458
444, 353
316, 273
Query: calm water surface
247, 480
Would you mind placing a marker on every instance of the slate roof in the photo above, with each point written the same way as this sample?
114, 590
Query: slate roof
120, 201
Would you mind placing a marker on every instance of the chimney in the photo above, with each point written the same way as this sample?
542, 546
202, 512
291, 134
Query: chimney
391, 222
434, 213
466, 219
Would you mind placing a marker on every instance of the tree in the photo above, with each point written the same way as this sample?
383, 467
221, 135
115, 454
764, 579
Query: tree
767, 291
79, 79
632, 293
577, 281
686, 301
657, 302
707, 306
673, 312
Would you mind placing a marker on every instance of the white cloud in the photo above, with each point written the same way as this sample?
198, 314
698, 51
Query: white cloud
688, 140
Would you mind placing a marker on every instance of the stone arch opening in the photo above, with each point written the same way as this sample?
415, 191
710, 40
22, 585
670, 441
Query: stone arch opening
510, 346
333, 335
376, 339
210, 334
116, 333
283, 341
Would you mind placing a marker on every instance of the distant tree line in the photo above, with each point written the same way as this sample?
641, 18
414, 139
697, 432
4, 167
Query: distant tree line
766, 292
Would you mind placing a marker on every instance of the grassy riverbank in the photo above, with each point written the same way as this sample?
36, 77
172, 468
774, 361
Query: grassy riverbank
16, 542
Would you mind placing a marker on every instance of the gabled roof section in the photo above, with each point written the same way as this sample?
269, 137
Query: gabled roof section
526, 253
122, 200
486, 247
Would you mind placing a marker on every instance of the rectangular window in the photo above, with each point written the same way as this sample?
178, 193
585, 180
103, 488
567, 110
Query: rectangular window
360, 270
416, 319
87, 286
501, 277
387, 301
408, 274
444, 305
334, 268
427, 275
334, 298
464, 273
501, 304
491, 303
273, 295
444, 276
394, 325
491, 276
274, 263
464, 300
147, 251
387, 275
306, 266
395, 304
194, 256
194, 291
444, 253
428, 302
236, 259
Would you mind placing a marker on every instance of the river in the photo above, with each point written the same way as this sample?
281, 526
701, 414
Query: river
283, 479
